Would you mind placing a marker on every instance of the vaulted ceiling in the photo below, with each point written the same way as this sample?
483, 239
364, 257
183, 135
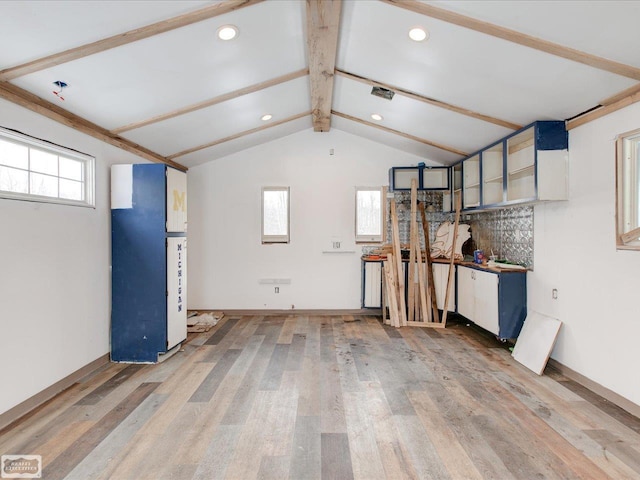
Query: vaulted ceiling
153, 78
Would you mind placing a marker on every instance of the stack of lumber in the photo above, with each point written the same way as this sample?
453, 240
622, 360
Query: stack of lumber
413, 304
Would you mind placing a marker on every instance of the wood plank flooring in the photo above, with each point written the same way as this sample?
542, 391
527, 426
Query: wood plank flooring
331, 397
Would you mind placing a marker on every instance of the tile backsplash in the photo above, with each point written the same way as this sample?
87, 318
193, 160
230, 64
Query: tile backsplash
507, 231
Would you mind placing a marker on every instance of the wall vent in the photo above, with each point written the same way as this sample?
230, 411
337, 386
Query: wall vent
383, 92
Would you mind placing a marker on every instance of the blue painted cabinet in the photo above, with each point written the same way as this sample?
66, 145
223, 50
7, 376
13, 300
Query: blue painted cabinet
149, 261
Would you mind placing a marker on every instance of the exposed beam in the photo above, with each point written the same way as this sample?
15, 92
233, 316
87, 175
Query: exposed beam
517, 37
238, 135
402, 134
36, 104
620, 95
430, 101
602, 111
323, 22
213, 101
205, 13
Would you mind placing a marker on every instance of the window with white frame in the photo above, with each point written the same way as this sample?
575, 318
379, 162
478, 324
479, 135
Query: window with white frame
275, 215
369, 214
36, 170
628, 191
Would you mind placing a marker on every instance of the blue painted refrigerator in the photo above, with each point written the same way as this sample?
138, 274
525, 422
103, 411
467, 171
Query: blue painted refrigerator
149, 262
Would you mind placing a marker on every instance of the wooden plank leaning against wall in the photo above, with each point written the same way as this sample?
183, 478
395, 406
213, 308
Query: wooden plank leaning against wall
422, 310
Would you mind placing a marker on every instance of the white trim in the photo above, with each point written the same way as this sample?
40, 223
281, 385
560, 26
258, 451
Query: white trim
627, 188
88, 174
379, 238
271, 239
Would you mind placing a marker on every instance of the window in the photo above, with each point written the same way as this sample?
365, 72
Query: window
628, 191
369, 214
36, 170
275, 215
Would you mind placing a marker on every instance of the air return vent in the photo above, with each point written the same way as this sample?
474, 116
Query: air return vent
383, 92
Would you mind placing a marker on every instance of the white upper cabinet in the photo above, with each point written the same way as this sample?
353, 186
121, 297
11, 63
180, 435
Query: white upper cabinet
492, 175
531, 165
537, 163
176, 200
471, 182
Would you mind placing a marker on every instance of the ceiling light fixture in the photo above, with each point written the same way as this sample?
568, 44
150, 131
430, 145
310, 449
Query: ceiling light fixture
418, 34
227, 32
376, 116
266, 117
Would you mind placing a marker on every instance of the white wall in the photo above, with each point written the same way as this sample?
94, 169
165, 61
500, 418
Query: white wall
54, 273
575, 252
226, 257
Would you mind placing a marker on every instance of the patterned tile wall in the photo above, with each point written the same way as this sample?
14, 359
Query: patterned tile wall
508, 231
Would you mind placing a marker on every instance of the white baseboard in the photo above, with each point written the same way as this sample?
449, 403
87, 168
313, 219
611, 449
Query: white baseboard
362, 311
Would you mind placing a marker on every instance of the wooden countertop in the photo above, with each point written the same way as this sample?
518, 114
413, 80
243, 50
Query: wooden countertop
477, 266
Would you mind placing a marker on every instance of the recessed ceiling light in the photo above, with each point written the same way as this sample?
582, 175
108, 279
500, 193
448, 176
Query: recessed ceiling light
376, 116
227, 32
418, 34
266, 117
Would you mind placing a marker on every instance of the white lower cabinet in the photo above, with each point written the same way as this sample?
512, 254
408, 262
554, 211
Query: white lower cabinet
440, 278
372, 285
478, 298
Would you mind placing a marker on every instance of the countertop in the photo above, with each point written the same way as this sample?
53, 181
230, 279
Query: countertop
477, 266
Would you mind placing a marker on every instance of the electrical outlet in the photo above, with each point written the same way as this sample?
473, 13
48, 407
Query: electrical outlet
554, 293
277, 289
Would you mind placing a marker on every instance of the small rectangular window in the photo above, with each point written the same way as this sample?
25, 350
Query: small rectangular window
275, 215
36, 170
369, 214
628, 191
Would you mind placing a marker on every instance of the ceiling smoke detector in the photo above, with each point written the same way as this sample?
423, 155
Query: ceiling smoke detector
383, 92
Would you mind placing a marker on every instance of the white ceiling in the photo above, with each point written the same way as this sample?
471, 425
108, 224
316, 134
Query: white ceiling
465, 68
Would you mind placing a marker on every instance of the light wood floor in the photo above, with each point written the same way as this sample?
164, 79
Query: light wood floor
333, 397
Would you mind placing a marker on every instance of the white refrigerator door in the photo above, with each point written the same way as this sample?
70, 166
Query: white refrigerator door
176, 200
177, 290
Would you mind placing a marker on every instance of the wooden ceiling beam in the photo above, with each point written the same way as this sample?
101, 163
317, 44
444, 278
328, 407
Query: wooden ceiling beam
402, 134
214, 101
518, 37
323, 24
603, 110
430, 101
238, 135
36, 104
620, 95
219, 8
